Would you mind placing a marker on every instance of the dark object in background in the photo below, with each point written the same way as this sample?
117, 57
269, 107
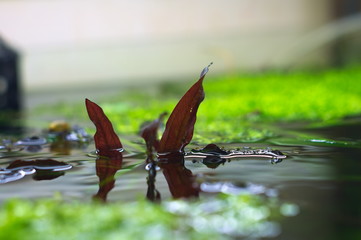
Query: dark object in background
9, 78
346, 49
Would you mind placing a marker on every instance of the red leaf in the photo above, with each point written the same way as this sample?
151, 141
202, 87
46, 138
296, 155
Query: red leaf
149, 133
180, 125
106, 140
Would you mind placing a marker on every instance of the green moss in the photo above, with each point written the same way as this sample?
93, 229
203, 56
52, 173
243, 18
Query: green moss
237, 105
219, 218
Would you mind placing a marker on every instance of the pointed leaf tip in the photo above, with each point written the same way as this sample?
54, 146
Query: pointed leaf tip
180, 125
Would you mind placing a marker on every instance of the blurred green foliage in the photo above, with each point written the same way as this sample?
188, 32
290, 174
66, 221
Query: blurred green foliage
223, 217
236, 106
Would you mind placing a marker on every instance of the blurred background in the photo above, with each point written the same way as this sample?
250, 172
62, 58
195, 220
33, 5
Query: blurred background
80, 44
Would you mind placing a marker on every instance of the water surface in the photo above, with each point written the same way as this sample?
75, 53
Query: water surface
321, 180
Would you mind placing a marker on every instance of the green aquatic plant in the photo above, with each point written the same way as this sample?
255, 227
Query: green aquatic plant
177, 134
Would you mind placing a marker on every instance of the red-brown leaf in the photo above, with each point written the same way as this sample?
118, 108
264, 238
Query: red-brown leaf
149, 132
180, 125
106, 140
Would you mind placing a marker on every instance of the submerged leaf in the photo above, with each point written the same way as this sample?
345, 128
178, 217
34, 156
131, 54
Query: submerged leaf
180, 125
106, 140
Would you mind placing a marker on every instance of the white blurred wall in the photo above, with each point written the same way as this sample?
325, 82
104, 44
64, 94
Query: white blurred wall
77, 42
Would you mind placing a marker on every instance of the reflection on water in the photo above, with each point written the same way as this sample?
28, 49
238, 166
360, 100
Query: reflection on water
318, 184
152, 193
105, 170
181, 180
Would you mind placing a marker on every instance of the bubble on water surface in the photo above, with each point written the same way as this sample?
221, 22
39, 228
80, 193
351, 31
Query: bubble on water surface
149, 166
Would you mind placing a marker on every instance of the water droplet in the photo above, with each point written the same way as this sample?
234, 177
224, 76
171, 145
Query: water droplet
149, 166
205, 70
119, 150
276, 160
28, 170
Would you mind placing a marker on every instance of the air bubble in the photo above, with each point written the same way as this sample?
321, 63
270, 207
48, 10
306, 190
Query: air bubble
149, 166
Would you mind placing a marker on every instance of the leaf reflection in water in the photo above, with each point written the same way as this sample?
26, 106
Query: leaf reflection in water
105, 170
152, 193
169, 149
181, 181
109, 150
